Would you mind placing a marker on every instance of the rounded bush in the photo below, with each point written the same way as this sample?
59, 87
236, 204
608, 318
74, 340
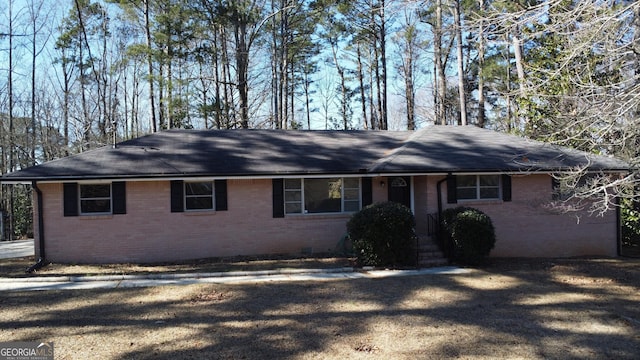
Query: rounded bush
471, 232
383, 234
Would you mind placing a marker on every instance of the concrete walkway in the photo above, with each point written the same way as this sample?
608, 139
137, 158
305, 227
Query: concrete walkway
235, 277
16, 248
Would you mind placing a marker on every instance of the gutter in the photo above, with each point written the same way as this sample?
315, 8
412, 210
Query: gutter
439, 192
41, 250
618, 228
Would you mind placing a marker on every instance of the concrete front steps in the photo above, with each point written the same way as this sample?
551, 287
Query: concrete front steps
429, 254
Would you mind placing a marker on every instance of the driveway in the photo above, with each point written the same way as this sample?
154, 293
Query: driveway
17, 248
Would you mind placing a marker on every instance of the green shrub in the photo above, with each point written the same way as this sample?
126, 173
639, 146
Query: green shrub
630, 214
383, 234
471, 232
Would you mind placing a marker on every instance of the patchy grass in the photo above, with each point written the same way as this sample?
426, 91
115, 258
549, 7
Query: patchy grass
16, 267
515, 308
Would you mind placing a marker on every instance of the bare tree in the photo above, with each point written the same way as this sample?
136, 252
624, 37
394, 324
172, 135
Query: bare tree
579, 82
460, 61
410, 45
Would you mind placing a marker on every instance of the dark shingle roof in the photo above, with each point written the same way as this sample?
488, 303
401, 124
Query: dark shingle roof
472, 149
436, 149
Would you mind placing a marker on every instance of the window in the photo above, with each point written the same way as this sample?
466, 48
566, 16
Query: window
478, 187
198, 195
325, 195
95, 198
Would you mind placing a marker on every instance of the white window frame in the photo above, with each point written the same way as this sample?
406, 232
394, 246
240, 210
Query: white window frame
301, 191
81, 199
186, 196
478, 188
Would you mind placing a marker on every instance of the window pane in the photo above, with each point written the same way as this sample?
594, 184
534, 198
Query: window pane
95, 198
352, 194
199, 203
95, 206
95, 191
322, 195
466, 193
198, 188
351, 206
351, 183
489, 180
293, 208
489, 193
293, 196
292, 184
466, 180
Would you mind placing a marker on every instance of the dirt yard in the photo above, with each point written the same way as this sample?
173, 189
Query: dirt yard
529, 309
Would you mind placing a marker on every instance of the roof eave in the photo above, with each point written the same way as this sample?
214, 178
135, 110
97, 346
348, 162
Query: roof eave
288, 174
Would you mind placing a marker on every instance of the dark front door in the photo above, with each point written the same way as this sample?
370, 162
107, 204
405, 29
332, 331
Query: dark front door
400, 190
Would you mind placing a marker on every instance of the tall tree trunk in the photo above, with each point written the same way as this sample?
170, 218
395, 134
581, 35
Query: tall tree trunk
12, 144
147, 30
461, 91
162, 107
481, 45
66, 99
217, 80
86, 122
34, 55
242, 66
409, 88
229, 103
441, 87
378, 86
291, 85
171, 121
383, 63
205, 95
103, 85
343, 87
517, 53
276, 98
307, 98
363, 98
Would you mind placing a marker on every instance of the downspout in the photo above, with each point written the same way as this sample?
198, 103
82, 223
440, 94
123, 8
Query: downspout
41, 259
618, 228
441, 237
439, 191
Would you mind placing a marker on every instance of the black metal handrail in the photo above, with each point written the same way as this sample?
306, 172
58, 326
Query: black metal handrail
440, 237
433, 225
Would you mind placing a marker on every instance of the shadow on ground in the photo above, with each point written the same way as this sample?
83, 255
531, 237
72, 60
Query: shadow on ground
574, 308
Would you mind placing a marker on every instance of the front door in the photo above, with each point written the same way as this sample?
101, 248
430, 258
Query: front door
400, 189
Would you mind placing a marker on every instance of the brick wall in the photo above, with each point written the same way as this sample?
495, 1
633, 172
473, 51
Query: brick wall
150, 232
528, 227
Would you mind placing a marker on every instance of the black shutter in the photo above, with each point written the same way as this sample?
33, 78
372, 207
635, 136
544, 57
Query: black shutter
177, 196
70, 193
367, 191
452, 189
221, 195
119, 196
278, 198
506, 187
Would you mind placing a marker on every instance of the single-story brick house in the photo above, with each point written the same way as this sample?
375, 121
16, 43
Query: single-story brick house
187, 194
